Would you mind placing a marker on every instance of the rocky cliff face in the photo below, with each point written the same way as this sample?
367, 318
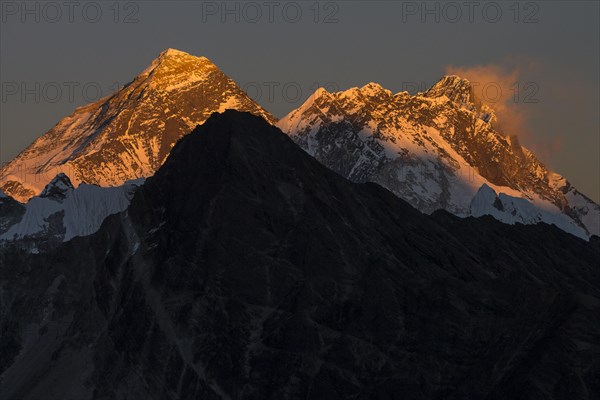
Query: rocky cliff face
434, 150
244, 269
11, 211
129, 134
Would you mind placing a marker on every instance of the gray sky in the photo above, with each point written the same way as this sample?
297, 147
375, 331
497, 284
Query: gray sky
548, 48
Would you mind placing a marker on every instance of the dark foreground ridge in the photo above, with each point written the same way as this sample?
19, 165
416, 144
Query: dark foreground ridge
244, 269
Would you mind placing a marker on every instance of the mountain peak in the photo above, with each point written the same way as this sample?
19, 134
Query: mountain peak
58, 187
174, 55
129, 134
170, 52
370, 90
365, 135
321, 91
174, 68
457, 89
373, 89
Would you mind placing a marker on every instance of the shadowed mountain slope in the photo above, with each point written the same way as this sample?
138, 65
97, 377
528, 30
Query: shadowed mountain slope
244, 269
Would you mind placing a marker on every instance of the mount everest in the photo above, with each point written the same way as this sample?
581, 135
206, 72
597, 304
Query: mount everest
436, 150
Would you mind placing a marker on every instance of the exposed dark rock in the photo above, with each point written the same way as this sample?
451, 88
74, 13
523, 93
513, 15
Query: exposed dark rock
58, 187
11, 212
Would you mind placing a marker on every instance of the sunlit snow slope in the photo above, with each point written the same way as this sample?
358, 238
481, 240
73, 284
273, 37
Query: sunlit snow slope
435, 150
129, 134
62, 212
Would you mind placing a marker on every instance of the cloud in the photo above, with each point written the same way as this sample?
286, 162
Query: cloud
500, 87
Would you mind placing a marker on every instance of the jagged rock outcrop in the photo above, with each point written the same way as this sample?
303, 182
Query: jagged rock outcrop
434, 149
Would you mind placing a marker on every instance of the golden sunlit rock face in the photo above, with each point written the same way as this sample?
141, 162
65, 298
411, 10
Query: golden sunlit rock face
437, 150
129, 134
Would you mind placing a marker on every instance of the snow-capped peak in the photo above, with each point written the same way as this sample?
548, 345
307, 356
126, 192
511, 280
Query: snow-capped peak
72, 212
170, 52
175, 70
174, 56
373, 89
58, 187
128, 135
320, 95
486, 193
436, 150
321, 91
457, 89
